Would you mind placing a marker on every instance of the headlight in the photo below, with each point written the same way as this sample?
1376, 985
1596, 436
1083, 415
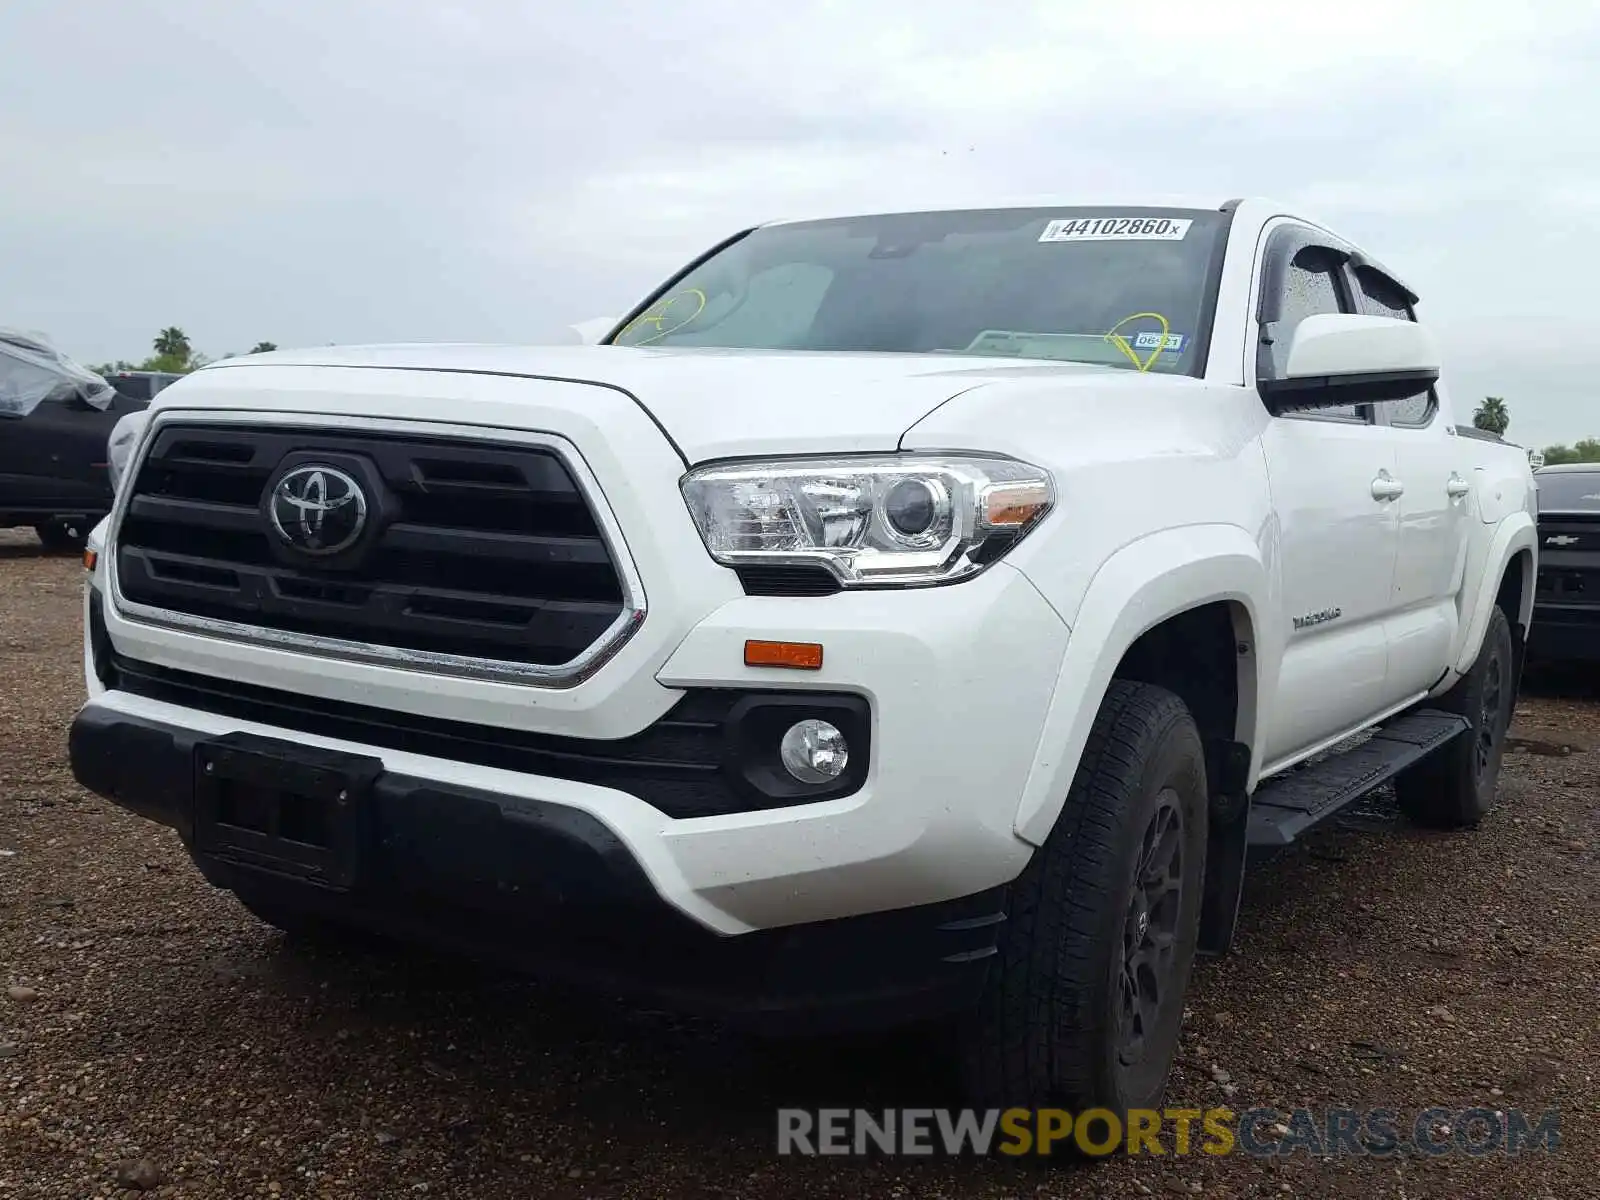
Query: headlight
119, 446
904, 519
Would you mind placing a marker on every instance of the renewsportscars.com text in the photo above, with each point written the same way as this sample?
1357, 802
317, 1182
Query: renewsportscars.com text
1260, 1132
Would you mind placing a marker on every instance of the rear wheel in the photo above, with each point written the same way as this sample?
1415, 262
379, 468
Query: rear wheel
1455, 787
1086, 1001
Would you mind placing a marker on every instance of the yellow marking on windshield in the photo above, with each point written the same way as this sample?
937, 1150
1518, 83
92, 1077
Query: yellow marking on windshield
1121, 343
659, 315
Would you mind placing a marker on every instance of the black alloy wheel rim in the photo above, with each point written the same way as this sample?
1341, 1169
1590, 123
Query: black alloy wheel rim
1145, 983
1489, 715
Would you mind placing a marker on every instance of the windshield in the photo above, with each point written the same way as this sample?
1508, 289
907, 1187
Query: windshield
1569, 491
1122, 287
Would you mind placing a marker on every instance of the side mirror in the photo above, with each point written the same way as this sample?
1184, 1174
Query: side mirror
1334, 359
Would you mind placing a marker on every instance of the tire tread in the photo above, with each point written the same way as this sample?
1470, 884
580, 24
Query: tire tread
1039, 1037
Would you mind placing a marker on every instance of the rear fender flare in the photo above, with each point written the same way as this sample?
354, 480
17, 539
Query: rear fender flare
1512, 536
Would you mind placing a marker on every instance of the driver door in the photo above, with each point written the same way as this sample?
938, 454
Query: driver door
1331, 472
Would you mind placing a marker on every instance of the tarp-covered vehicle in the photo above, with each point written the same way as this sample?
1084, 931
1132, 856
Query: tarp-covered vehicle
55, 418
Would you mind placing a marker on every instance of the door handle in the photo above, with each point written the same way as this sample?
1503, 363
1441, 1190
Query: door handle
1457, 487
1386, 487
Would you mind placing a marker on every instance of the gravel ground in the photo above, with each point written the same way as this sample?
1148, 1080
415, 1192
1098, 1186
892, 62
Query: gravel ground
153, 1034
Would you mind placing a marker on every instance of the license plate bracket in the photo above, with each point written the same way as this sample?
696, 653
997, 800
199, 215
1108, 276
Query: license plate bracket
283, 808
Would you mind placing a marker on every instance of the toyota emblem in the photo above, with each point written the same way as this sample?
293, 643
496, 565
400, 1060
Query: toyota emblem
318, 509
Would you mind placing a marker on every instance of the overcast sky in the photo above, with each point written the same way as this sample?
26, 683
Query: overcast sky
386, 170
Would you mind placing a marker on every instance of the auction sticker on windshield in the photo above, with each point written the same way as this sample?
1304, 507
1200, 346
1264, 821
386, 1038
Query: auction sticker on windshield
1117, 229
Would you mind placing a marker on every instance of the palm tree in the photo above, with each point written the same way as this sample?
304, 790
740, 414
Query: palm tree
173, 342
1492, 415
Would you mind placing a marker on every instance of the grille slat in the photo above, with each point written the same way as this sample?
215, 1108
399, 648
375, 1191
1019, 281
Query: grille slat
475, 549
203, 514
423, 539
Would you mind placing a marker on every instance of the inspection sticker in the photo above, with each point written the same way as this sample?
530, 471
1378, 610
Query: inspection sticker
1117, 229
1153, 341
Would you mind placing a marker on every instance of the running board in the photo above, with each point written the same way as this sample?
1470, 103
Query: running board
1283, 808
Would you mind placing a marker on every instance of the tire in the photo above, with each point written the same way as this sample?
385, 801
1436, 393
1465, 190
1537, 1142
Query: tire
1455, 787
1052, 1027
63, 536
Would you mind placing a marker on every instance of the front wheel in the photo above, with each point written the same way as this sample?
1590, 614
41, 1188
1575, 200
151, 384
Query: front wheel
1085, 1004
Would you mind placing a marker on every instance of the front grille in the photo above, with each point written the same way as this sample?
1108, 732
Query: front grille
482, 550
1569, 566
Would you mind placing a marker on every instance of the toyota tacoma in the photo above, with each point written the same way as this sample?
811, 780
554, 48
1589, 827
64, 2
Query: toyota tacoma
901, 617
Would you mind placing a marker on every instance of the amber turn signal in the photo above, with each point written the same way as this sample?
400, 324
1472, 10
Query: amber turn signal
89, 560
799, 656
1009, 505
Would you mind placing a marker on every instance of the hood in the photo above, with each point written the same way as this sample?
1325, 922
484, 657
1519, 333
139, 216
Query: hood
717, 403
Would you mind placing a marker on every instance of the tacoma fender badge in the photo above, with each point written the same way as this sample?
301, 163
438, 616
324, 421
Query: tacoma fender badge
1318, 618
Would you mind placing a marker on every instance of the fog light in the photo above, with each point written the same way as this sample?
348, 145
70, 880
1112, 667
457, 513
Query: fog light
814, 751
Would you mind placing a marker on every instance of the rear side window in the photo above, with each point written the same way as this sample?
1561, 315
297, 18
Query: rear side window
1380, 296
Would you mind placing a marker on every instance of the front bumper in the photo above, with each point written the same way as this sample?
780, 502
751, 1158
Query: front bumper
548, 887
957, 680
1564, 633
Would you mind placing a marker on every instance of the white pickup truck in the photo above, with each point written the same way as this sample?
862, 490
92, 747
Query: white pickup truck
901, 616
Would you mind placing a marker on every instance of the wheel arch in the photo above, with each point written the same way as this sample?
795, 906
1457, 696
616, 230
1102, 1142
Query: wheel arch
1182, 590
1509, 576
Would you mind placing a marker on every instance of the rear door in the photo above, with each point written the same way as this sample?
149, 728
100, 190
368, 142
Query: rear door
1435, 511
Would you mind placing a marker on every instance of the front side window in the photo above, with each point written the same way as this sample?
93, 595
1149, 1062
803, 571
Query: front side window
1310, 287
1131, 288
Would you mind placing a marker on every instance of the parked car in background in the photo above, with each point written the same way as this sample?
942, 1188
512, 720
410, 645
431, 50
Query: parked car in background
141, 385
1566, 615
55, 420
